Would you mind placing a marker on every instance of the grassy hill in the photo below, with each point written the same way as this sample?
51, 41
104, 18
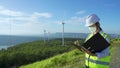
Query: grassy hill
71, 59
75, 59
48, 55
30, 52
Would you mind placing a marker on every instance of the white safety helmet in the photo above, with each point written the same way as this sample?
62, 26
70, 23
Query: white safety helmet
91, 19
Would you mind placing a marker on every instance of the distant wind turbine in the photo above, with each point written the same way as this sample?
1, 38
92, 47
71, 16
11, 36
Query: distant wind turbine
63, 34
44, 36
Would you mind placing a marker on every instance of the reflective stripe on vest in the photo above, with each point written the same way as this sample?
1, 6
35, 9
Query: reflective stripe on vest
94, 62
98, 62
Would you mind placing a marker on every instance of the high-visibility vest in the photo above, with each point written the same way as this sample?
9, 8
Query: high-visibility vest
93, 61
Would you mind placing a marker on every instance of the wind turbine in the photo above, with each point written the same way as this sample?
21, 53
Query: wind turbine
44, 36
63, 34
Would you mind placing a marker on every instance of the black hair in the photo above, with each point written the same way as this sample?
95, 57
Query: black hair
98, 25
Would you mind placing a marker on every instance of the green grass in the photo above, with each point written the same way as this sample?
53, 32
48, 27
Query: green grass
71, 59
74, 59
115, 56
26, 53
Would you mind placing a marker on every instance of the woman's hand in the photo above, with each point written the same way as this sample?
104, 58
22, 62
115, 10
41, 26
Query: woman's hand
76, 43
92, 54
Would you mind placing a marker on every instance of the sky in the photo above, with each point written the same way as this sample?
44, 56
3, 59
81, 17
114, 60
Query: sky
32, 17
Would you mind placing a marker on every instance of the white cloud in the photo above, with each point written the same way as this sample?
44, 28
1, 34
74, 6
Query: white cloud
76, 19
73, 20
8, 12
81, 12
21, 16
8, 15
45, 15
21, 22
4, 20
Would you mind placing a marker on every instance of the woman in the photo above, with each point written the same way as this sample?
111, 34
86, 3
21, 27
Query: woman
98, 59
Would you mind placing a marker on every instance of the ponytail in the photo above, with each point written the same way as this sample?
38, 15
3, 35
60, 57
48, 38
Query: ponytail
98, 26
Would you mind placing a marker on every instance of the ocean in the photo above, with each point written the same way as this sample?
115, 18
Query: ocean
5, 46
8, 41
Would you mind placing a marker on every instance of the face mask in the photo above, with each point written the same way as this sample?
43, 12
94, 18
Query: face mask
92, 29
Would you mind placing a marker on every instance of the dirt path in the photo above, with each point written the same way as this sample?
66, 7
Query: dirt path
115, 56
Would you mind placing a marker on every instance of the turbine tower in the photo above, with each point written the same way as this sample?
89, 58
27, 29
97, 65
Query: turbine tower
63, 34
44, 36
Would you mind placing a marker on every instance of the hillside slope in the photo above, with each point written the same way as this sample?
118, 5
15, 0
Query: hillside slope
71, 59
30, 52
75, 59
